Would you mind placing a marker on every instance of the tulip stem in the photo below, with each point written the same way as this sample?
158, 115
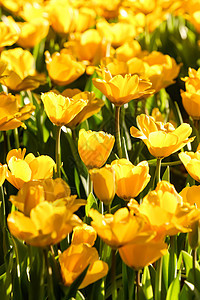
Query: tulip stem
194, 258
157, 172
117, 130
158, 281
113, 270
58, 151
16, 137
49, 277
138, 284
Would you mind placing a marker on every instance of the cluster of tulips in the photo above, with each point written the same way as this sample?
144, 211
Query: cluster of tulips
99, 194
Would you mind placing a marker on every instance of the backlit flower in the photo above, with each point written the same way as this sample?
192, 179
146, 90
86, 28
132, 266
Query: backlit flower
84, 235
130, 179
23, 168
104, 183
63, 68
161, 139
94, 147
48, 224
191, 161
121, 89
75, 259
121, 228
9, 32
20, 72
3, 169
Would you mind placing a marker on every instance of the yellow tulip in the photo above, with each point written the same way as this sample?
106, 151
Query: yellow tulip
75, 259
84, 18
121, 228
23, 169
191, 161
92, 107
130, 179
9, 31
52, 190
63, 68
48, 224
32, 32
137, 256
62, 110
191, 97
121, 89
166, 211
84, 235
94, 147
128, 50
161, 139
3, 169
20, 72
104, 183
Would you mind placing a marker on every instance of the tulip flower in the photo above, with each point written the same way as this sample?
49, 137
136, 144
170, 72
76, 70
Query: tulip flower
137, 256
94, 147
3, 169
166, 211
161, 139
75, 259
84, 235
121, 228
191, 161
126, 174
104, 183
54, 191
62, 110
20, 72
63, 68
9, 32
22, 169
122, 89
48, 224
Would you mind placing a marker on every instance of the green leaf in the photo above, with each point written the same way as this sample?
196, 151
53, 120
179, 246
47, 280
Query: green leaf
146, 284
165, 270
174, 289
166, 175
194, 290
91, 203
187, 260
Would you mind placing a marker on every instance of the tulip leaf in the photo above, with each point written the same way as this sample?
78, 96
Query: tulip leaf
174, 289
187, 260
146, 284
194, 290
91, 203
165, 270
166, 175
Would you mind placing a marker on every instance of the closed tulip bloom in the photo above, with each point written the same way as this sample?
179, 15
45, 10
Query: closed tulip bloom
63, 68
22, 169
62, 110
121, 228
75, 259
104, 183
137, 256
84, 235
122, 89
21, 72
130, 179
94, 147
166, 211
48, 224
191, 161
161, 139
51, 190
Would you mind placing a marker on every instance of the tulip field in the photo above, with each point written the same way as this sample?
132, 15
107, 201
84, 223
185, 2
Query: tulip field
100, 149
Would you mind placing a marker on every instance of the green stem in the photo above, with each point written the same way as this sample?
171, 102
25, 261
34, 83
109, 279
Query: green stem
158, 280
194, 259
113, 270
138, 284
3, 220
58, 151
172, 260
117, 130
49, 277
16, 137
157, 172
